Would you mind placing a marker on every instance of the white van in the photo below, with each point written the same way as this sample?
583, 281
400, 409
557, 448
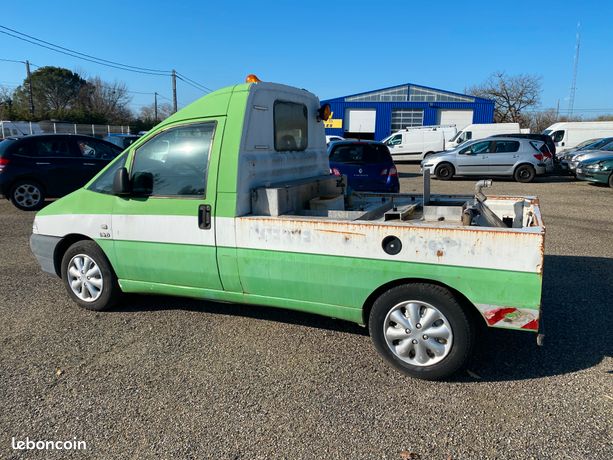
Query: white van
481, 131
415, 143
569, 134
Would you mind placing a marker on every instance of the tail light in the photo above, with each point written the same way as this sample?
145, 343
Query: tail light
3, 163
389, 172
546, 152
539, 156
335, 171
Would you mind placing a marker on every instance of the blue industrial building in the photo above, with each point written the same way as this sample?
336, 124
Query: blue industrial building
378, 113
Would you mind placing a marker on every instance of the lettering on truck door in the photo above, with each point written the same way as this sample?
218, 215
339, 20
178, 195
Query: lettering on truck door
164, 232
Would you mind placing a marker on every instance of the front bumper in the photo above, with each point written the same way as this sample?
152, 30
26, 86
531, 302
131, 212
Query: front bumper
592, 176
43, 248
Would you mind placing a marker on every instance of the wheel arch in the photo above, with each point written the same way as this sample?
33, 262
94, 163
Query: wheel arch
466, 304
63, 246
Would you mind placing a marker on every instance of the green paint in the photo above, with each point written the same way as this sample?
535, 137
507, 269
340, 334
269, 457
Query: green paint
348, 281
169, 264
334, 311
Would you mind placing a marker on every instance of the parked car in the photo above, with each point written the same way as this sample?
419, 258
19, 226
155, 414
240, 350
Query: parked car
333, 139
585, 155
536, 137
415, 143
36, 167
594, 145
598, 169
567, 135
481, 131
368, 165
521, 159
121, 140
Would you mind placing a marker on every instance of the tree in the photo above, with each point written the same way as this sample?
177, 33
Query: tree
147, 112
512, 95
6, 103
538, 121
105, 102
55, 92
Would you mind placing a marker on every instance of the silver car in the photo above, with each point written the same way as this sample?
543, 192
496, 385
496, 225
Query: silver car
521, 159
583, 155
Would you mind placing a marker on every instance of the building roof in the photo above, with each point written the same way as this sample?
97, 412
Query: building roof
409, 92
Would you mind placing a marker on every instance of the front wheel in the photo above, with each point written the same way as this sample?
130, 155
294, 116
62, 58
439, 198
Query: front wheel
89, 277
611, 180
422, 330
444, 171
524, 173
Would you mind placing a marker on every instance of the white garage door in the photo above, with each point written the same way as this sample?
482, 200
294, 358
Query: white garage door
360, 120
459, 118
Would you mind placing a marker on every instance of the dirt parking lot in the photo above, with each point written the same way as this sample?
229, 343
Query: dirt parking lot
163, 378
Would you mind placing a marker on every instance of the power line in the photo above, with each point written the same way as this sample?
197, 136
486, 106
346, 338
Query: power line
80, 57
127, 66
194, 83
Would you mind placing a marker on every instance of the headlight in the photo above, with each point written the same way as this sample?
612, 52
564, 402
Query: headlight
594, 166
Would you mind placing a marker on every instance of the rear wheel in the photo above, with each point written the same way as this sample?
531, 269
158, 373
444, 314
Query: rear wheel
422, 330
444, 171
27, 195
524, 173
89, 277
611, 180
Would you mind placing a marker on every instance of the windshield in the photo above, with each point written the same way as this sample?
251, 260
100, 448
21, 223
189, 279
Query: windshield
456, 136
361, 154
597, 144
547, 132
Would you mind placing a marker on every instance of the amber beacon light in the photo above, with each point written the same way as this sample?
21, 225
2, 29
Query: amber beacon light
325, 112
251, 78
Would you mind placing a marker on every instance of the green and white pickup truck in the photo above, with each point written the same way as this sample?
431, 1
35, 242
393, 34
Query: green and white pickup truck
231, 199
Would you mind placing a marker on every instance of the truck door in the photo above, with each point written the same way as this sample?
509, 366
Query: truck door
164, 231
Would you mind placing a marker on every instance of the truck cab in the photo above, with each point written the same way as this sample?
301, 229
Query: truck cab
417, 142
231, 199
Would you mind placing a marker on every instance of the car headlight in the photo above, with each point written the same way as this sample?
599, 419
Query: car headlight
594, 166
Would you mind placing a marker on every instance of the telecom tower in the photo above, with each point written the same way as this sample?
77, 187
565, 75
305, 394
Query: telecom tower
573, 87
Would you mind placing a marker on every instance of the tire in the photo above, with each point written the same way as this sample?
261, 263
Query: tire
524, 173
27, 195
444, 171
103, 291
440, 357
611, 180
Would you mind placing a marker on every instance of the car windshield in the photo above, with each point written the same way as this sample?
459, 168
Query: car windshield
361, 154
455, 136
547, 132
599, 144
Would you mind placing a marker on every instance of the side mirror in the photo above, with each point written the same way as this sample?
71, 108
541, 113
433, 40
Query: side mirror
142, 184
121, 182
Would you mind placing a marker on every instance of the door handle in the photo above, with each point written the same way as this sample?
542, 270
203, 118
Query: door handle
204, 216
42, 163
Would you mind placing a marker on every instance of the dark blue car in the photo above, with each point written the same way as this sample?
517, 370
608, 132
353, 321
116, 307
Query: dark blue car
368, 165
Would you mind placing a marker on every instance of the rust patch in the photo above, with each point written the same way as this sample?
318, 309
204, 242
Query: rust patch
339, 232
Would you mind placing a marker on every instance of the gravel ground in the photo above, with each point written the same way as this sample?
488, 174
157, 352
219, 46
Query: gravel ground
175, 378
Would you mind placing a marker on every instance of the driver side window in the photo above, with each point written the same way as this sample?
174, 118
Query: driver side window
175, 162
477, 147
395, 140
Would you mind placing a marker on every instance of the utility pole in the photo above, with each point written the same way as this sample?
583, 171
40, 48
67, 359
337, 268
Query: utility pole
29, 76
155, 106
174, 91
573, 87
